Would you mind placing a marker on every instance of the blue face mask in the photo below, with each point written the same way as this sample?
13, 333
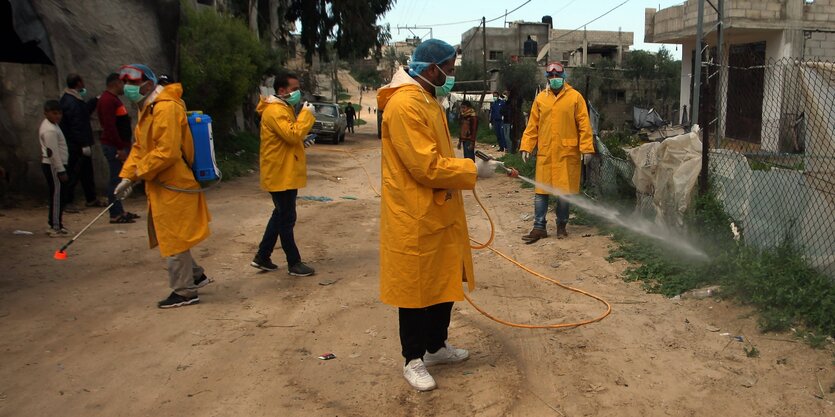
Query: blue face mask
444, 89
132, 93
294, 98
556, 83
82, 92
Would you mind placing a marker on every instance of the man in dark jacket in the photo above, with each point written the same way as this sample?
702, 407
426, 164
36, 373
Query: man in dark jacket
496, 111
350, 115
75, 125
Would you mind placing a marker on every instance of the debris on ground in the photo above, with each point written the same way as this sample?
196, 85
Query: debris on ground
314, 198
22, 233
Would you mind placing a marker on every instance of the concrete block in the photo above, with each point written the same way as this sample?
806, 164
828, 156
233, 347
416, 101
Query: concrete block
819, 36
817, 52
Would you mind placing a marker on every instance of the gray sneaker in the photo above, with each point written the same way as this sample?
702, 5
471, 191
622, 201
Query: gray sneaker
446, 354
301, 270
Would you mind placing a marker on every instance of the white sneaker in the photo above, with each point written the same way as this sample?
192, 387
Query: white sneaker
446, 354
415, 372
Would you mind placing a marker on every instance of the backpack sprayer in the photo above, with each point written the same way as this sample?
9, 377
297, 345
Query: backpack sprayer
204, 167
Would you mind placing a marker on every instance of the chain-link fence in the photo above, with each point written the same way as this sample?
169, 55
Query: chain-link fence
771, 133
772, 152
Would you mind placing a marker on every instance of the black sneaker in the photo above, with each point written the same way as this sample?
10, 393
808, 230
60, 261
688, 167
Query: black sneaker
263, 264
301, 270
202, 281
176, 300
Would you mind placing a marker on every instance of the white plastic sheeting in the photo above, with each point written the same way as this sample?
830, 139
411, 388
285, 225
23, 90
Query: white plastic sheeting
668, 171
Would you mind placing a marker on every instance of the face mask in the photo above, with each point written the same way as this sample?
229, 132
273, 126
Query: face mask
444, 89
556, 83
82, 92
294, 98
132, 93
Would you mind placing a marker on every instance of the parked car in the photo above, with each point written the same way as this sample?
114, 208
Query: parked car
330, 122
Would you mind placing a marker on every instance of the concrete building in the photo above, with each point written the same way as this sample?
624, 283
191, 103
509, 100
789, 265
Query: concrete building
756, 33
538, 41
585, 47
505, 43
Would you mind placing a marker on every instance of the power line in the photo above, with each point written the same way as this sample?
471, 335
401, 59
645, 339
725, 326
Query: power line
503, 15
590, 22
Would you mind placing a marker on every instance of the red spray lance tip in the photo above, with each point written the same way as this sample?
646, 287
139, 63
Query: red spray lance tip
60, 255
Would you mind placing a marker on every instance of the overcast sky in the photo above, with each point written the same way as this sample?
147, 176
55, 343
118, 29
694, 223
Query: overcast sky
567, 14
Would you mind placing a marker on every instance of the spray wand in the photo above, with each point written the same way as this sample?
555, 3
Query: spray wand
511, 172
61, 254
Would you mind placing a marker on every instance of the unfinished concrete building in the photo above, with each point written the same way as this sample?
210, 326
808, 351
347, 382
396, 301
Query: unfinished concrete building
755, 33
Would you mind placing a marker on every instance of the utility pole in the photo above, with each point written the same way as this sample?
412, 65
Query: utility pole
483, 61
585, 47
694, 106
721, 79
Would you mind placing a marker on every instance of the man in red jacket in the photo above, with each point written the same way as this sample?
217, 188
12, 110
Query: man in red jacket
115, 141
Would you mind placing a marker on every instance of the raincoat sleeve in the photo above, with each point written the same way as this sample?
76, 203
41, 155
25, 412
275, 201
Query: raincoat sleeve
418, 150
166, 133
288, 130
581, 117
129, 168
531, 135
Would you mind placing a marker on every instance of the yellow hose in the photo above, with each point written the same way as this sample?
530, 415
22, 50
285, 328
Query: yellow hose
488, 245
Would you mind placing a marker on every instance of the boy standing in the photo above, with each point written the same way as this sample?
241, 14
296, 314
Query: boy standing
54, 159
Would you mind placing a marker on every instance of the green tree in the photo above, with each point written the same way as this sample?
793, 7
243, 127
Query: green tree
519, 79
351, 24
220, 63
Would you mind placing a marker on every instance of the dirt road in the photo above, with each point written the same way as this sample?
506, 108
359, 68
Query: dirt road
83, 337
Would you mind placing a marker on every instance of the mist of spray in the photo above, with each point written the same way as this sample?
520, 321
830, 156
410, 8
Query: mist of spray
634, 223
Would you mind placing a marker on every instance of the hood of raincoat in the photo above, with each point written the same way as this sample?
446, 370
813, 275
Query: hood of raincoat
267, 101
401, 80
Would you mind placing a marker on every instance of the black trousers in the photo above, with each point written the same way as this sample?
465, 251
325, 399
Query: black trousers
423, 329
281, 225
56, 197
80, 169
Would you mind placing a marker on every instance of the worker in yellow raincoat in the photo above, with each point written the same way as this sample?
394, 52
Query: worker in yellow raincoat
424, 247
559, 127
283, 170
162, 157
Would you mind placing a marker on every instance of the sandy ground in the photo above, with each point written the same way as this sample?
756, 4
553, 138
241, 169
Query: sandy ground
83, 337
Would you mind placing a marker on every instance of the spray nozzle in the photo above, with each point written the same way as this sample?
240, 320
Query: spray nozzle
483, 156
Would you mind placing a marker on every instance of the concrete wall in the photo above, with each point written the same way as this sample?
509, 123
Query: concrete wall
508, 40
820, 46
91, 38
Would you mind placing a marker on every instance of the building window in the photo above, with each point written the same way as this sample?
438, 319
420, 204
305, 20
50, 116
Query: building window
495, 55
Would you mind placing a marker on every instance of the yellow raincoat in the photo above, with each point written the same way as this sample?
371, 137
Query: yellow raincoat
559, 126
177, 221
283, 163
424, 246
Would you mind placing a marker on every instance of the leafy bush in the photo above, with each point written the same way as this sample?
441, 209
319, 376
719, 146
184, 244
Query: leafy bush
220, 62
237, 154
777, 281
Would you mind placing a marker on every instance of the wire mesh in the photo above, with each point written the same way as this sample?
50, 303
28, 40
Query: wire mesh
771, 136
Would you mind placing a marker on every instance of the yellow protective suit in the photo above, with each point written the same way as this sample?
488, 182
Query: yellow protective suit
424, 246
177, 221
559, 126
283, 163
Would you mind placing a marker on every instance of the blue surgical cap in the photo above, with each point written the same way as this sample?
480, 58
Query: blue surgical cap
432, 51
149, 74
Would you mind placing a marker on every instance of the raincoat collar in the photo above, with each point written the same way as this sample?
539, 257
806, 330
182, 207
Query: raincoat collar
401, 81
564, 88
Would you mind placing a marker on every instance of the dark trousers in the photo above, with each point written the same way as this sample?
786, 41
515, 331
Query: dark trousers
281, 226
498, 129
469, 149
351, 126
56, 200
80, 169
423, 329
115, 166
